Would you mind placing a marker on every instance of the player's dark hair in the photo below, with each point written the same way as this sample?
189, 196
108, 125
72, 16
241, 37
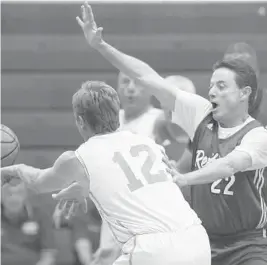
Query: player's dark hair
99, 105
245, 75
244, 51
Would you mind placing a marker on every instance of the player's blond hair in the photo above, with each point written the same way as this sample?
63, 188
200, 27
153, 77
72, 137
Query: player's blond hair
98, 104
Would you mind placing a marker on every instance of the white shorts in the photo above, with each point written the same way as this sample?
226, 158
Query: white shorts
188, 247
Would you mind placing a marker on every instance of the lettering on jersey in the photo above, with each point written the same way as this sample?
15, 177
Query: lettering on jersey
223, 190
134, 182
202, 160
219, 186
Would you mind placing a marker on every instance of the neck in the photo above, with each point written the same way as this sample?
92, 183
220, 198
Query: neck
234, 123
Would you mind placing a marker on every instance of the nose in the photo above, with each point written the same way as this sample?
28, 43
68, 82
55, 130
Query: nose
212, 92
130, 88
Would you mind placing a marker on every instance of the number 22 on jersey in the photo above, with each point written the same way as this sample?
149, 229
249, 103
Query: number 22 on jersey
134, 182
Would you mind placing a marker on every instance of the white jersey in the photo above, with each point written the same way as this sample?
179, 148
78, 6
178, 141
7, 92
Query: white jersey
144, 124
130, 187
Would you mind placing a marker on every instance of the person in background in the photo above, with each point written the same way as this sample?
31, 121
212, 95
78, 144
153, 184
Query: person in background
136, 114
26, 231
83, 229
171, 136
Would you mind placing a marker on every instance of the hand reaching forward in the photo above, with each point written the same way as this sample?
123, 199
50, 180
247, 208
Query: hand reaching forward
178, 178
92, 33
71, 198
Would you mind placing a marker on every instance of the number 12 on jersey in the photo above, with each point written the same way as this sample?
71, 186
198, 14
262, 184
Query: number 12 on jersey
134, 182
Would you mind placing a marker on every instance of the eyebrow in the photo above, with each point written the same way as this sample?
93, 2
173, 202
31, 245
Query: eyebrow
218, 82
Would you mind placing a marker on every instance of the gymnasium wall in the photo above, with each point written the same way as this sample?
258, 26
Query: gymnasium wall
45, 58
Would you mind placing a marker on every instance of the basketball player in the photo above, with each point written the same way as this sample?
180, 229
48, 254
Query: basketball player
229, 146
123, 173
138, 116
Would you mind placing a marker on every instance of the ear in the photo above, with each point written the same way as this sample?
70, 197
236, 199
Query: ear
80, 121
245, 93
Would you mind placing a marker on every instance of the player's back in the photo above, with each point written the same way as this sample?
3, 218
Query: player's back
130, 186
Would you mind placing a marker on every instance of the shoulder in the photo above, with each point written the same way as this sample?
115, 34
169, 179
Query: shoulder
69, 162
66, 157
155, 112
256, 135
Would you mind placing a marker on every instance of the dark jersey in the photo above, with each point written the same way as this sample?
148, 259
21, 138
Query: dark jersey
231, 205
174, 143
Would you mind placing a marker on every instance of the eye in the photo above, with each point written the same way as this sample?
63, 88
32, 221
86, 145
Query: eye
125, 81
221, 85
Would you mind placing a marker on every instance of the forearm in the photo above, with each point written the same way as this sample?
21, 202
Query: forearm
224, 167
129, 65
41, 180
216, 170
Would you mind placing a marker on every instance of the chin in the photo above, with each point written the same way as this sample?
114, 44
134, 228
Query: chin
217, 117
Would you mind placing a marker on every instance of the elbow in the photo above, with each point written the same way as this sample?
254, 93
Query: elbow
229, 169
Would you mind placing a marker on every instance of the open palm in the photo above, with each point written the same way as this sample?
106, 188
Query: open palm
92, 33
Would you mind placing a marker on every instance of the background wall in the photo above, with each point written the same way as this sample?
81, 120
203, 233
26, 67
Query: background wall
45, 58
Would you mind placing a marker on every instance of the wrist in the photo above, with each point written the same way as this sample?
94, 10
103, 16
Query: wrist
99, 45
185, 180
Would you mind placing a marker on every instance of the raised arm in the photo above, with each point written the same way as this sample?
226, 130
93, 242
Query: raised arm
167, 93
66, 169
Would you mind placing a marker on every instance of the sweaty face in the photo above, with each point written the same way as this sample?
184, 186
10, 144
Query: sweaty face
132, 96
225, 95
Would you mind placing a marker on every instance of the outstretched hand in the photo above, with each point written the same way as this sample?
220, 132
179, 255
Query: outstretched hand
10, 174
177, 177
92, 33
70, 199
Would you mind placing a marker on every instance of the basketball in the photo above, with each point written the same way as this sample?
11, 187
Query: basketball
9, 146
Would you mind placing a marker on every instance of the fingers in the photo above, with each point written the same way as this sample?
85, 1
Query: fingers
80, 22
167, 162
89, 12
64, 194
84, 206
99, 32
71, 211
83, 13
171, 171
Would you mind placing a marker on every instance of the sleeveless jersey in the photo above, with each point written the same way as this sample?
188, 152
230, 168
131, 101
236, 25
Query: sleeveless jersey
231, 205
144, 124
130, 187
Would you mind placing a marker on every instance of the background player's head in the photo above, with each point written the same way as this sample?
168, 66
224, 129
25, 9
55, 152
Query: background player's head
245, 52
233, 87
182, 83
134, 98
96, 108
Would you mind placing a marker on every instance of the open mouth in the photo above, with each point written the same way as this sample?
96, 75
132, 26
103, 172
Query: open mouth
214, 105
130, 99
